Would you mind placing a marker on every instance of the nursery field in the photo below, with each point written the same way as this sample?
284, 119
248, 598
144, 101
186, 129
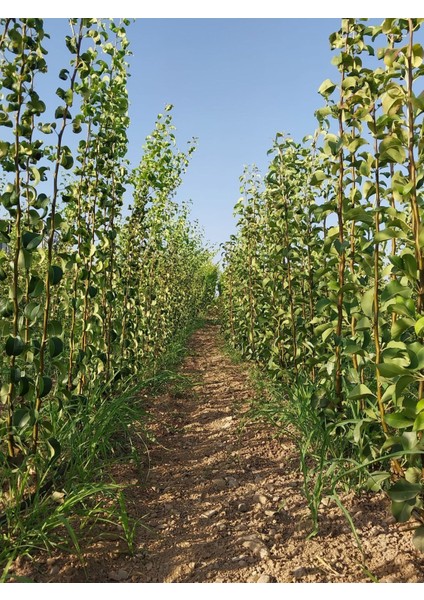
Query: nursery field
166, 419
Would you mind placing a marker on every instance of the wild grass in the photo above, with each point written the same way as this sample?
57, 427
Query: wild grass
76, 494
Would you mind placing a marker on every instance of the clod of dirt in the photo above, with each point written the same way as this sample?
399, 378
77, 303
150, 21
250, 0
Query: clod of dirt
265, 579
232, 482
210, 513
219, 484
299, 572
120, 575
255, 545
260, 499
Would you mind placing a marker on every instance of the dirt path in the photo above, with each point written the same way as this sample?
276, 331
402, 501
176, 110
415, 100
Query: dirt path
225, 505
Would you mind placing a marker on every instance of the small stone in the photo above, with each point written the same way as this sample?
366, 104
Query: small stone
219, 580
264, 579
257, 547
219, 484
120, 575
232, 482
242, 507
210, 513
270, 513
299, 572
260, 499
242, 563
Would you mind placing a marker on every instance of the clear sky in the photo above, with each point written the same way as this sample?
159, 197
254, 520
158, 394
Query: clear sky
233, 82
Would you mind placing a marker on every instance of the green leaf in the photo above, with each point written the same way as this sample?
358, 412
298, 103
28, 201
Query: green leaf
410, 266
402, 510
21, 417
375, 480
402, 383
399, 326
318, 177
359, 214
418, 538
398, 420
45, 386
54, 449
367, 302
66, 160
55, 275
349, 82
14, 346
36, 287
24, 386
413, 475
15, 375
55, 346
25, 259
69, 96
419, 326
359, 391
417, 55
390, 56
394, 288
326, 88
419, 423
363, 324
55, 328
92, 291
403, 490
387, 234
391, 150
31, 240
4, 149
390, 369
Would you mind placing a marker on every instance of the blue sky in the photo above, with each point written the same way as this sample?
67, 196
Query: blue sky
234, 83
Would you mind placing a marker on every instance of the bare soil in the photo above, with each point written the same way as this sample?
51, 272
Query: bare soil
222, 501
